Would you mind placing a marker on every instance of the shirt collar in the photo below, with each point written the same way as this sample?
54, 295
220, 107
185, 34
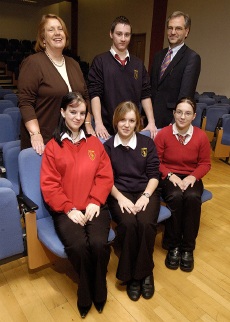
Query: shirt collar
67, 136
132, 142
113, 52
175, 50
189, 132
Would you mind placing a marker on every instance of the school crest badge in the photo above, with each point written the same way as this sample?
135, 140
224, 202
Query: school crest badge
144, 152
135, 74
91, 154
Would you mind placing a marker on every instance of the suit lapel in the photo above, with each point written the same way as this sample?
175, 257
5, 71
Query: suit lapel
173, 63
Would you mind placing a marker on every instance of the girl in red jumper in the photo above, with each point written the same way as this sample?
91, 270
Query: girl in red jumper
76, 178
184, 153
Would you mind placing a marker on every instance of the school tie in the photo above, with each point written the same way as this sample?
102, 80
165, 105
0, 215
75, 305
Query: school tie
165, 62
121, 61
182, 138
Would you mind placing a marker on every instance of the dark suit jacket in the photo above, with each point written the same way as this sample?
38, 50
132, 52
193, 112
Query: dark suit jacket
179, 80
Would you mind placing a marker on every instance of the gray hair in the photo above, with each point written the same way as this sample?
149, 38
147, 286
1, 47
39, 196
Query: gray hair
187, 19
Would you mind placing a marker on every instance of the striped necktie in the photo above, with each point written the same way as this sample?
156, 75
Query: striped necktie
166, 62
182, 138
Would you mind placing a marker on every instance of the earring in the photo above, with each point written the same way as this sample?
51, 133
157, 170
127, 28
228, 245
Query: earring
44, 44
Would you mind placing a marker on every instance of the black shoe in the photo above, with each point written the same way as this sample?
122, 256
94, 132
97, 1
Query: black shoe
187, 261
83, 310
100, 306
173, 258
148, 287
134, 290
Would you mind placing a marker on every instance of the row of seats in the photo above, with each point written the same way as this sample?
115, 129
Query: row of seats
16, 44
39, 224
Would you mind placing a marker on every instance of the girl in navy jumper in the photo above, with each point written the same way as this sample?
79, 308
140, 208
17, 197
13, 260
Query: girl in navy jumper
76, 178
134, 202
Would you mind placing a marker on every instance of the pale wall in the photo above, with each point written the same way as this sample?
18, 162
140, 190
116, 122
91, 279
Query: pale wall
210, 38
95, 21
21, 21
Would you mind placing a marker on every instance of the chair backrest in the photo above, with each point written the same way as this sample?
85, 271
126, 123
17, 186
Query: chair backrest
5, 104
10, 161
6, 129
11, 240
213, 115
29, 163
209, 94
12, 97
15, 113
207, 100
4, 91
198, 118
202, 106
226, 129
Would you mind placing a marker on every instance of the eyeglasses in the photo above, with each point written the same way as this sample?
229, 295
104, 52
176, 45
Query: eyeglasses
186, 114
177, 29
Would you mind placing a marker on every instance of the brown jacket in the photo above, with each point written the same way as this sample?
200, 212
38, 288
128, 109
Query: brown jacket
40, 92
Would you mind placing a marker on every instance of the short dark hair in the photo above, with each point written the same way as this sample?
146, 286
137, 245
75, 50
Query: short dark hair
121, 19
188, 100
187, 19
39, 46
120, 112
69, 98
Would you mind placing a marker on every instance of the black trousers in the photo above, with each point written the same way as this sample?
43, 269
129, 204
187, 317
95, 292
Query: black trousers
88, 251
181, 229
136, 234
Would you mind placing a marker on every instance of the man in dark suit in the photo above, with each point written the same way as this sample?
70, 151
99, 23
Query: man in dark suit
174, 74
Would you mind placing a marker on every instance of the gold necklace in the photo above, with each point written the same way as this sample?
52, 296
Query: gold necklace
74, 139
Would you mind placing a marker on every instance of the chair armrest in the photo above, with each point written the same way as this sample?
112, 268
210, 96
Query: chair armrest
27, 202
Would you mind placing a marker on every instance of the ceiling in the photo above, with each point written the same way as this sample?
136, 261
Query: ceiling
39, 3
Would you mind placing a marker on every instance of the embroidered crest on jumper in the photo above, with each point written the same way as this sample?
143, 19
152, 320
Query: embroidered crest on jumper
91, 154
144, 152
135, 74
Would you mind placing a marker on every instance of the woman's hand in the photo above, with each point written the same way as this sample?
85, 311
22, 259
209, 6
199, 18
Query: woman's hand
126, 204
141, 203
89, 128
77, 217
176, 181
91, 211
189, 180
37, 143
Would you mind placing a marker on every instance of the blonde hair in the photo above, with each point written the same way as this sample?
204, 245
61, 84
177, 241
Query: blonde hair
120, 112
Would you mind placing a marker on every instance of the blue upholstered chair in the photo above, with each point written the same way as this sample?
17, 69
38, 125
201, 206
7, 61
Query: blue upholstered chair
12, 97
207, 100
43, 244
198, 119
222, 148
7, 132
5, 104
209, 94
210, 121
16, 116
11, 238
11, 151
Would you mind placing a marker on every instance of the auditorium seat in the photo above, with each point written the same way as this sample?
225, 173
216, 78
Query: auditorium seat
210, 121
222, 147
11, 237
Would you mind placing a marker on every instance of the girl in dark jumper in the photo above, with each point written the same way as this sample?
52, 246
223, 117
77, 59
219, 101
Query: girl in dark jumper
134, 202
